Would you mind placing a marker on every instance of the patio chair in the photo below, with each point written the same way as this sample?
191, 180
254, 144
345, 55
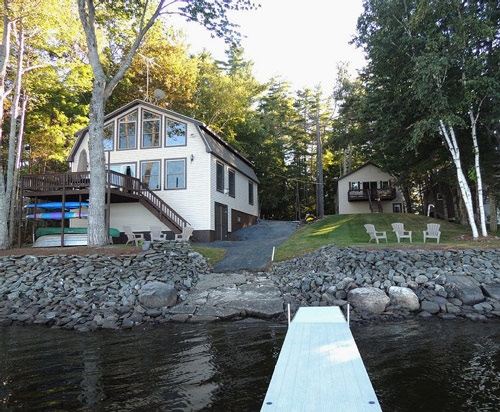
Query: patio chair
187, 231
374, 235
432, 231
401, 233
156, 234
131, 236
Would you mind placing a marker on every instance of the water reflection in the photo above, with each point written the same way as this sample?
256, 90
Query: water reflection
430, 366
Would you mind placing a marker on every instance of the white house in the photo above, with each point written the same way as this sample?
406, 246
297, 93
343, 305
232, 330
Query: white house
201, 177
368, 189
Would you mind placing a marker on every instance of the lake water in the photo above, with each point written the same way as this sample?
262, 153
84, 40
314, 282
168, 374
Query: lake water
429, 366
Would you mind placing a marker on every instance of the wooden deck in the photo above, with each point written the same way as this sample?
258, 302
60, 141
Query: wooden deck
120, 188
319, 368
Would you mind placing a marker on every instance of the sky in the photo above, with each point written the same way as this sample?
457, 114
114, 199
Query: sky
299, 40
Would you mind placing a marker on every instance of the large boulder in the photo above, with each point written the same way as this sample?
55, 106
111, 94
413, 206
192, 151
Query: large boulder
467, 289
404, 297
157, 295
492, 291
368, 298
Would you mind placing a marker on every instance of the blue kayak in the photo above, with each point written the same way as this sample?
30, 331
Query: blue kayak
58, 205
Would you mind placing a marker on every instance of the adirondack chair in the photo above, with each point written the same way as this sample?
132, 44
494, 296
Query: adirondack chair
432, 231
132, 237
187, 231
374, 235
401, 233
156, 234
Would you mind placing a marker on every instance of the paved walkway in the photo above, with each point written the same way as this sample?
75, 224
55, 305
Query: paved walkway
254, 248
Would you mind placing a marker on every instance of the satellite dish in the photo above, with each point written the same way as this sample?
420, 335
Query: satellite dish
159, 94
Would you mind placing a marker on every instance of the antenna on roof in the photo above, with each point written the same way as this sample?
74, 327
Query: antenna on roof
149, 61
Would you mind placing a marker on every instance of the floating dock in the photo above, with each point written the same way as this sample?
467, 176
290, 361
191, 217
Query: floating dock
319, 368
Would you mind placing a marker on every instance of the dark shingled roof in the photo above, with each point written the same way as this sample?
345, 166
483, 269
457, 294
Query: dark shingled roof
213, 143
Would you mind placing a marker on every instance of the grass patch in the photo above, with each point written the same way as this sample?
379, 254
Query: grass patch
349, 230
211, 254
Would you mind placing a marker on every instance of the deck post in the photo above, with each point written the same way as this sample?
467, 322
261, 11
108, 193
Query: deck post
63, 209
35, 219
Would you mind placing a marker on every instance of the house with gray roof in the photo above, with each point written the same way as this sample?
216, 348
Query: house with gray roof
185, 164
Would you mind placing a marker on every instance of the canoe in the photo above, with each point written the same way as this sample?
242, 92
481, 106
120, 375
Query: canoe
81, 230
57, 215
71, 239
58, 205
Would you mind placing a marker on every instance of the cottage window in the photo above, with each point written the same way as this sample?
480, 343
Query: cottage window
128, 131
175, 171
150, 129
250, 193
150, 174
220, 177
355, 186
176, 133
232, 186
109, 133
125, 169
384, 185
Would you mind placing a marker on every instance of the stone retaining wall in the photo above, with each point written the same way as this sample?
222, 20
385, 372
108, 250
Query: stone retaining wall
395, 284
89, 292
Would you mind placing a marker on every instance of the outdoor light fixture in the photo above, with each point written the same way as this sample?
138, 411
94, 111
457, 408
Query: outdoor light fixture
192, 157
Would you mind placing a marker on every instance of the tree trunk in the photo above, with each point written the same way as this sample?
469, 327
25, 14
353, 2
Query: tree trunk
97, 194
480, 201
493, 212
451, 142
350, 158
407, 197
319, 167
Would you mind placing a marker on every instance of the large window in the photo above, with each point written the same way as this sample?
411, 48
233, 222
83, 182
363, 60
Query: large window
250, 193
150, 129
355, 186
175, 174
127, 125
150, 174
109, 134
176, 133
125, 169
232, 186
220, 177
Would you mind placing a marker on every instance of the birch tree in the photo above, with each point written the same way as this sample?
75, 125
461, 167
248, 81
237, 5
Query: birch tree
140, 15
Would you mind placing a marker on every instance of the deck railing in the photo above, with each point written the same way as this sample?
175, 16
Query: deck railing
131, 186
365, 194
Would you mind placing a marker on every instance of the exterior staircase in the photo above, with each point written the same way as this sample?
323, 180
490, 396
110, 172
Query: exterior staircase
374, 208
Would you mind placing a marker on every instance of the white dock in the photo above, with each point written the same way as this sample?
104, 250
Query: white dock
319, 368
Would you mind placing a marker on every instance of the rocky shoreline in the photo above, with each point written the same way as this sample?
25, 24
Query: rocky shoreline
171, 282
395, 284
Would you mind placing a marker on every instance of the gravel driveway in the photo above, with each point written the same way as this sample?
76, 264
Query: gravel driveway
254, 248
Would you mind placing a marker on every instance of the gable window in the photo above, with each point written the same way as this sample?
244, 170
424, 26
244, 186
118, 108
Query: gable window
175, 174
127, 136
150, 174
109, 133
250, 193
176, 133
232, 187
150, 129
220, 177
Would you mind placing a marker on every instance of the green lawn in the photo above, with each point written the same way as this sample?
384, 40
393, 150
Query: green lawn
348, 230
211, 254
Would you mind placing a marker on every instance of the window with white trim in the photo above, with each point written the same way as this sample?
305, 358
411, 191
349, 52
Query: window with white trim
220, 177
232, 184
250, 193
109, 134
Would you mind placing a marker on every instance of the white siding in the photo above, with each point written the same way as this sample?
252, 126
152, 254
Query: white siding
240, 201
369, 173
191, 203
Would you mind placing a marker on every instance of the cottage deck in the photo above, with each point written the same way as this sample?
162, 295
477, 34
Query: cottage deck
319, 368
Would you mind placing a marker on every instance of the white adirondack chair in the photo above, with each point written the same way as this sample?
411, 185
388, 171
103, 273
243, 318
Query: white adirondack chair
132, 237
432, 231
187, 231
401, 233
156, 234
374, 235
